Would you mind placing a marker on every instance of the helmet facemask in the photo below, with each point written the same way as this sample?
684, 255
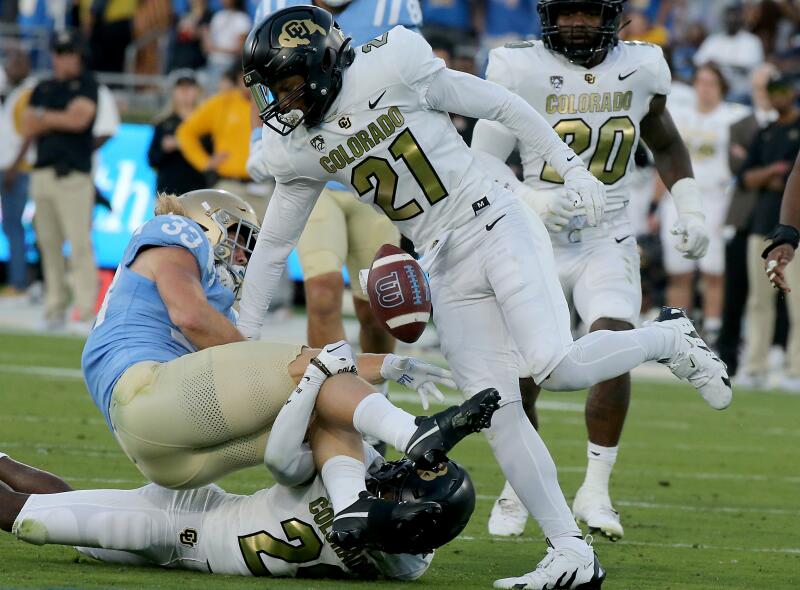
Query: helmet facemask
580, 44
236, 235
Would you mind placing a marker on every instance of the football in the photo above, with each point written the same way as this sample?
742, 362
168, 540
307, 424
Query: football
399, 294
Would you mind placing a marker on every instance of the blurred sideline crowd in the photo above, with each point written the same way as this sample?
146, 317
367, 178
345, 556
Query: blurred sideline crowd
735, 67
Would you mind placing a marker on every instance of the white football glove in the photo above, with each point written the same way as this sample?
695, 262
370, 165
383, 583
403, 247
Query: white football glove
692, 235
586, 191
417, 375
256, 164
555, 208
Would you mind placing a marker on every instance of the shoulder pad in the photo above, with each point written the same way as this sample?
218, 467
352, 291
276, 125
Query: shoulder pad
519, 44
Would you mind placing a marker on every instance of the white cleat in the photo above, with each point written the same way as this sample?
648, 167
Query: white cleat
694, 362
509, 515
593, 508
336, 358
563, 569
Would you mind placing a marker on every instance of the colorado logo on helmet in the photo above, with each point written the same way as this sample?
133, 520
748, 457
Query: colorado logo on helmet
297, 32
389, 292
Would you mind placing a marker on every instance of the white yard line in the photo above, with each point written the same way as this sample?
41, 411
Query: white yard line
60, 372
781, 550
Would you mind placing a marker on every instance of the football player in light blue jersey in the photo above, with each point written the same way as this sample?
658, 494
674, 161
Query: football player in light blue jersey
190, 400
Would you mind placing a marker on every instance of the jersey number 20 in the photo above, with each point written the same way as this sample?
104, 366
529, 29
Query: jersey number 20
614, 145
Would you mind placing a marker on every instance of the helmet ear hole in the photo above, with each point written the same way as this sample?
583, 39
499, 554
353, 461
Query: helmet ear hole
328, 59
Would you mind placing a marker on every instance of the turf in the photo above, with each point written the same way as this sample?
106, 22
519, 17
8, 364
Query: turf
709, 499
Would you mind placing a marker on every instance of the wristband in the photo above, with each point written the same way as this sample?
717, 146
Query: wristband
782, 234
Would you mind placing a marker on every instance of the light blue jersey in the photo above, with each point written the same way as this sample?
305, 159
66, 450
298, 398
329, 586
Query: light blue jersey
133, 323
363, 20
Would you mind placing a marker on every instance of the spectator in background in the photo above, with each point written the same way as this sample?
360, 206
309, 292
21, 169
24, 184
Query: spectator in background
444, 49
737, 223
704, 127
683, 50
736, 51
59, 119
640, 28
109, 27
14, 167
503, 21
449, 19
187, 46
224, 38
226, 118
174, 173
765, 171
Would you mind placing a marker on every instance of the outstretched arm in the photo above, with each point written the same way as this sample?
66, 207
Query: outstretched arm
785, 237
287, 213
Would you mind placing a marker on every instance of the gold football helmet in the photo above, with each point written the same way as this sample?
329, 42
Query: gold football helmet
229, 224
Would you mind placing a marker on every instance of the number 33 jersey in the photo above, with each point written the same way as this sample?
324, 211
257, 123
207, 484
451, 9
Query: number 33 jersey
383, 139
596, 111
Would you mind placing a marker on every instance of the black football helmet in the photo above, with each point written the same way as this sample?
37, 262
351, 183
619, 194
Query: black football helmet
597, 40
300, 40
448, 484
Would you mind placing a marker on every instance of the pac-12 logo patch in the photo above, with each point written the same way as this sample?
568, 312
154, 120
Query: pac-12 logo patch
318, 143
557, 82
298, 32
389, 292
188, 537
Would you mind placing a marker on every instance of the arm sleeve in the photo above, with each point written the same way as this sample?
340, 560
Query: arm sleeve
456, 92
190, 132
288, 458
286, 216
490, 136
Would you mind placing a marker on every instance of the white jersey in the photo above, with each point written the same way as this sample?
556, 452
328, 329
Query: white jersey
707, 137
281, 531
597, 111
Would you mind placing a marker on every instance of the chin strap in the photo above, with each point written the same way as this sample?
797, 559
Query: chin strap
782, 234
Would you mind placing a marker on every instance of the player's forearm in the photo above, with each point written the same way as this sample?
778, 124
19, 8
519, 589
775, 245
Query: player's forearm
205, 327
369, 367
790, 206
460, 93
673, 163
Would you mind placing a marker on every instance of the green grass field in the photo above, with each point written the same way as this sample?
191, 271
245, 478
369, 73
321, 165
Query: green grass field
709, 500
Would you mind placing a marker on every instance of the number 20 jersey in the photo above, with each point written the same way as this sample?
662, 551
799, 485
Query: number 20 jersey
597, 111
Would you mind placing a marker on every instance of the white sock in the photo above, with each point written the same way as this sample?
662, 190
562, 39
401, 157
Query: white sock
598, 469
3, 455
603, 355
383, 389
577, 544
527, 464
343, 477
508, 493
712, 324
376, 416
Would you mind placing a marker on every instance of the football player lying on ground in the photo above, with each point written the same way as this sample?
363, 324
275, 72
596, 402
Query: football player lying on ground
285, 530
376, 118
189, 400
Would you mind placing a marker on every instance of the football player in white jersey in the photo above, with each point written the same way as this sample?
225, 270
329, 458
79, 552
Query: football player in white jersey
705, 127
376, 119
601, 96
284, 530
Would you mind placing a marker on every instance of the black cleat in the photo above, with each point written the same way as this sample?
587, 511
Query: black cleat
439, 433
383, 525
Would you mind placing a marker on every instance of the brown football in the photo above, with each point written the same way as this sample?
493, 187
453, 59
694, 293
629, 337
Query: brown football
399, 294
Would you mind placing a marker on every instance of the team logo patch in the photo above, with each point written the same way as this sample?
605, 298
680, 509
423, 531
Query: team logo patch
590, 78
557, 82
344, 123
298, 32
318, 143
431, 475
389, 292
188, 537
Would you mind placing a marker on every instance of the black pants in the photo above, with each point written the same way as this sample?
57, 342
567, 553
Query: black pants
736, 288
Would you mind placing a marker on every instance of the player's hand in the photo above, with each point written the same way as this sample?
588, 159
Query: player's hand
777, 260
256, 166
418, 375
692, 235
554, 207
586, 191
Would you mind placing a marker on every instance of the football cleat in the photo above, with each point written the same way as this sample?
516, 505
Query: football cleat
335, 358
562, 569
437, 434
593, 508
693, 361
509, 516
383, 525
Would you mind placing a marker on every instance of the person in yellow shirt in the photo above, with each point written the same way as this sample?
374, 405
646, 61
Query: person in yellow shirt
225, 117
